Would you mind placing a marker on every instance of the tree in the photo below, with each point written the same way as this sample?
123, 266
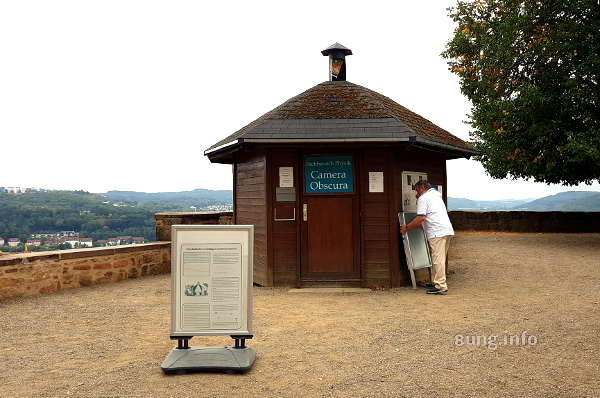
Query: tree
530, 69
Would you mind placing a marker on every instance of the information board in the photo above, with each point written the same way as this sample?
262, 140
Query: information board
415, 244
416, 247
328, 174
211, 277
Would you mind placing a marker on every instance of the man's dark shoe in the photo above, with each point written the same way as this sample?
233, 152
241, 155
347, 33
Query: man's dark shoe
437, 291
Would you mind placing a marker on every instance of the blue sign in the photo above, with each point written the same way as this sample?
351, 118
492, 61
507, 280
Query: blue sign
328, 174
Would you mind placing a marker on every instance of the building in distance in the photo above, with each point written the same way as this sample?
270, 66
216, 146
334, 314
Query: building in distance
121, 240
14, 190
17, 190
85, 242
112, 242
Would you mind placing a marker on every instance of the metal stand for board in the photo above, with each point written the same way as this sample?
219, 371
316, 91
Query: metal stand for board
186, 359
416, 248
412, 278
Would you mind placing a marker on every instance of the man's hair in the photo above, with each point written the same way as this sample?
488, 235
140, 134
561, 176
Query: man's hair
423, 184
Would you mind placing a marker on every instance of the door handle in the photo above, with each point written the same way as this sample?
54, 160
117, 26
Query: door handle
305, 212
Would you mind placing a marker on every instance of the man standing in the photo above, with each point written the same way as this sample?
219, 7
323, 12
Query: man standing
432, 214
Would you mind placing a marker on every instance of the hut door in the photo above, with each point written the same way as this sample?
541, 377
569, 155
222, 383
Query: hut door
330, 239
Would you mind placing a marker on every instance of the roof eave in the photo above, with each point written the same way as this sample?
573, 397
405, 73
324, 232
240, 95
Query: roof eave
222, 153
220, 147
320, 140
464, 152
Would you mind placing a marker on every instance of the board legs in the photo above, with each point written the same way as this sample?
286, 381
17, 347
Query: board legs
412, 278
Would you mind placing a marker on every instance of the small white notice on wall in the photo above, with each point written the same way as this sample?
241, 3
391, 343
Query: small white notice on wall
375, 181
286, 177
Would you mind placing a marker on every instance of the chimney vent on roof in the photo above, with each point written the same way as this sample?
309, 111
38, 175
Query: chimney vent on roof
337, 61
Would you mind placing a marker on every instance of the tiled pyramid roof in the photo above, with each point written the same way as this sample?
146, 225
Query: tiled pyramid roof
340, 110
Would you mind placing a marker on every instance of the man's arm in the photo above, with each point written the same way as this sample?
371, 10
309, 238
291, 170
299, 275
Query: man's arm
415, 223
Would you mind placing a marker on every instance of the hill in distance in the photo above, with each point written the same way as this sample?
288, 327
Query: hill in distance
468, 204
564, 201
99, 215
222, 200
172, 201
89, 214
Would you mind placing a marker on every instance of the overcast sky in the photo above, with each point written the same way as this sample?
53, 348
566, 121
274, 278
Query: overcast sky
126, 95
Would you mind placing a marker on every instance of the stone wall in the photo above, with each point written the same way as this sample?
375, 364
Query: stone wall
27, 274
525, 221
164, 221
507, 221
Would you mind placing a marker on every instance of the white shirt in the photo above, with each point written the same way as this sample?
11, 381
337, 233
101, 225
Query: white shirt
437, 223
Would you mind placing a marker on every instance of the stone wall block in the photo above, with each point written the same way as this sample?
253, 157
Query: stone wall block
50, 288
156, 269
103, 266
226, 220
38, 276
86, 279
103, 277
121, 274
133, 272
122, 263
9, 282
11, 292
149, 258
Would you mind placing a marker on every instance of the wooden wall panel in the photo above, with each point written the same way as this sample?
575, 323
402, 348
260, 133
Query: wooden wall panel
284, 248
251, 208
375, 220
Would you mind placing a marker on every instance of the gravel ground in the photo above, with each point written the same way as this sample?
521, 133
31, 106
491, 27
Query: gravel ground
109, 341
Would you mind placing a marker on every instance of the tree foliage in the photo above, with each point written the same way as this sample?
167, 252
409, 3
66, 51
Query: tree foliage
530, 69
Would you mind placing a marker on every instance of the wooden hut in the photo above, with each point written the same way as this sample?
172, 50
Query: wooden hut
323, 176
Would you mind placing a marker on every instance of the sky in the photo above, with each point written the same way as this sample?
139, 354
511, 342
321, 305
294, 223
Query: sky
127, 95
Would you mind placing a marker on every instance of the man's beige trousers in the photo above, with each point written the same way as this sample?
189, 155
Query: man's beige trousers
439, 251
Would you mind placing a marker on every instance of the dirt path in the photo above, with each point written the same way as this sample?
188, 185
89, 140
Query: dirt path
109, 341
